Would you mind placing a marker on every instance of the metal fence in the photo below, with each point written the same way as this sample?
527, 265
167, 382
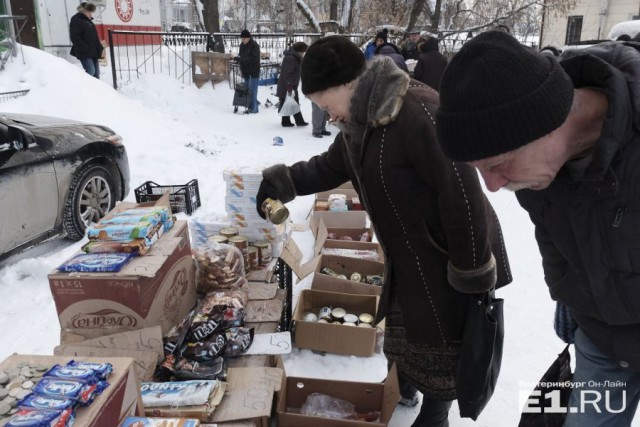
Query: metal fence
6, 96
134, 53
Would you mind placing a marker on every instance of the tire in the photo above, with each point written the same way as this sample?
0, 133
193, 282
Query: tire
91, 195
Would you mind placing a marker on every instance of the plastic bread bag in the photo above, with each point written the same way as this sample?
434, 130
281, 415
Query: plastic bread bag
218, 266
322, 405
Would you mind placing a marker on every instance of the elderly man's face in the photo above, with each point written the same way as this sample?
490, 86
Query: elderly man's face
414, 37
245, 40
532, 166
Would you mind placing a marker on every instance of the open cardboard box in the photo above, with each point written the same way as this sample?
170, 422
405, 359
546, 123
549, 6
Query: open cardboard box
118, 401
323, 241
367, 397
349, 219
157, 288
331, 337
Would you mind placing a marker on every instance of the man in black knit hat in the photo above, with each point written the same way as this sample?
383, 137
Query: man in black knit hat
565, 136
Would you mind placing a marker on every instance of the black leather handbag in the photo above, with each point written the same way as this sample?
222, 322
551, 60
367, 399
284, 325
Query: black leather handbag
480, 354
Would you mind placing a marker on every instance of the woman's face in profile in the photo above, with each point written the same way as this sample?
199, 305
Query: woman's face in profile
336, 101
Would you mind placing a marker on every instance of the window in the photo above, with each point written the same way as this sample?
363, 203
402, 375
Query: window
574, 29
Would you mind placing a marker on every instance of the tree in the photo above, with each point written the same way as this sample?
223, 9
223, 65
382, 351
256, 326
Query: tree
211, 18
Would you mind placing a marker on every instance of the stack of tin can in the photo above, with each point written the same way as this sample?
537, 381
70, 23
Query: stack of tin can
339, 315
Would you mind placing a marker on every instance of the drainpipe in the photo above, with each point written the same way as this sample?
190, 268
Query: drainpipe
604, 6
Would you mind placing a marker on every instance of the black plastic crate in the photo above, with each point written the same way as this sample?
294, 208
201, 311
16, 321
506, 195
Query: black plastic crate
183, 198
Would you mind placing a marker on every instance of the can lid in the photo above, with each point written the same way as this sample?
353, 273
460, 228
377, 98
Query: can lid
238, 239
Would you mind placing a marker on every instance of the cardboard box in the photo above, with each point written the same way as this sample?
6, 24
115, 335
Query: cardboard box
323, 241
118, 401
367, 397
329, 337
155, 289
349, 219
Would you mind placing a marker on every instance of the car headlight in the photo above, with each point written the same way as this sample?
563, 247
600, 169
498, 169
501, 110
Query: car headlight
115, 139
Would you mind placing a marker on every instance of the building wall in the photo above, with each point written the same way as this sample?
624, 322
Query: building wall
555, 27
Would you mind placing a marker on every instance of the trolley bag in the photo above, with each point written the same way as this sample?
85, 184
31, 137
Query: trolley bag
241, 97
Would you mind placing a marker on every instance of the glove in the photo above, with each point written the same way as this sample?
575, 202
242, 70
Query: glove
276, 184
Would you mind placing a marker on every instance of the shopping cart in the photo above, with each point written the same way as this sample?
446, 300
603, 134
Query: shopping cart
241, 93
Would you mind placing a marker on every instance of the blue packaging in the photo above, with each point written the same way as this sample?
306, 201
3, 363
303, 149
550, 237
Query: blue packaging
278, 141
36, 401
101, 370
70, 389
83, 374
41, 418
99, 262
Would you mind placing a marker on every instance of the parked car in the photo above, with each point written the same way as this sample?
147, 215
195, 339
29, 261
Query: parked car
56, 176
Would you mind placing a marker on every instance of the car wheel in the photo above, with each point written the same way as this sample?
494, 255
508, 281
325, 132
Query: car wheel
91, 195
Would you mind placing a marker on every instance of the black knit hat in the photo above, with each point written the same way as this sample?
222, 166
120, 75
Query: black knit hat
384, 35
329, 62
245, 34
497, 95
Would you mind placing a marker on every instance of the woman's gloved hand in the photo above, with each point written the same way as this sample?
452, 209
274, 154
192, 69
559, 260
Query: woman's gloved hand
276, 184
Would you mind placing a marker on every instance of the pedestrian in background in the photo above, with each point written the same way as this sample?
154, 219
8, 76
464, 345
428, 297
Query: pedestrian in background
565, 136
249, 54
85, 43
289, 79
438, 230
381, 38
319, 119
410, 48
431, 63
392, 51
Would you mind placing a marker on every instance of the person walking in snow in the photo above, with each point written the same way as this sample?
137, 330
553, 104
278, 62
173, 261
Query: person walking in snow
565, 136
85, 43
440, 236
289, 80
431, 63
249, 54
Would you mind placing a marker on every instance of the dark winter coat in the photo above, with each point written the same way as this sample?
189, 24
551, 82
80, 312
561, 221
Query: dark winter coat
588, 225
392, 51
250, 59
85, 43
430, 215
430, 67
410, 49
289, 72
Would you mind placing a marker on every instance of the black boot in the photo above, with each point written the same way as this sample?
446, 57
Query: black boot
299, 120
286, 121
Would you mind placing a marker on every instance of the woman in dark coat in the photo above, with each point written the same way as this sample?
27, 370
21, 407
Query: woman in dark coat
289, 80
85, 43
440, 235
431, 64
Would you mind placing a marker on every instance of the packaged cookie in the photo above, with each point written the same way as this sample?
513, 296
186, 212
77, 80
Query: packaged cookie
218, 266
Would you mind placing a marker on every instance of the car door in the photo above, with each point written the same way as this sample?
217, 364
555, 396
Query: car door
28, 193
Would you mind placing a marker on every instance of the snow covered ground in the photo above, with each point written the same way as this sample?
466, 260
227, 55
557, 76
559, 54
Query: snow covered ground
174, 133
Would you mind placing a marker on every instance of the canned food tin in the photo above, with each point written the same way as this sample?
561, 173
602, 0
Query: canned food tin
373, 280
356, 277
350, 318
342, 276
309, 317
254, 259
366, 318
264, 252
323, 321
364, 325
338, 313
242, 243
329, 272
325, 313
349, 324
218, 239
228, 232
275, 211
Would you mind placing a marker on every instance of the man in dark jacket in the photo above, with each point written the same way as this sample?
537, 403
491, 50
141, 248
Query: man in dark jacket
431, 64
392, 51
249, 54
289, 80
85, 43
410, 48
565, 135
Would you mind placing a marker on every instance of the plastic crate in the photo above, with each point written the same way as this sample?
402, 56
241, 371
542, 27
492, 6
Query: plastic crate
183, 198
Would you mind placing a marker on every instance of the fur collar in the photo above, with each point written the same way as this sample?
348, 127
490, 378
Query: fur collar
377, 99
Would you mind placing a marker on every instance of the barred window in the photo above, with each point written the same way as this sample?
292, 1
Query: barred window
574, 29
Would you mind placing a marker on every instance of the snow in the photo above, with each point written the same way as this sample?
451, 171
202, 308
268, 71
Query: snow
174, 133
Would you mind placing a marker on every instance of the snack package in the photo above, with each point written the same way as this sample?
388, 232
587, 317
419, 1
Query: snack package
71, 389
96, 262
136, 246
218, 266
122, 231
238, 341
41, 418
176, 393
175, 337
215, 369
352, 253
322, 405
206, 322
233, 298
159, 422
83, 374
101, 370
36, 401
205, 350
